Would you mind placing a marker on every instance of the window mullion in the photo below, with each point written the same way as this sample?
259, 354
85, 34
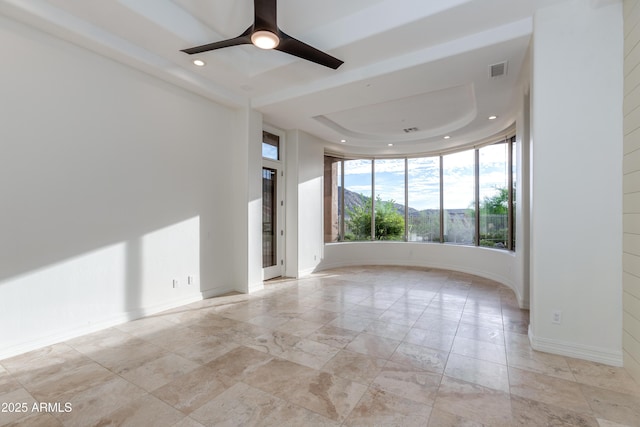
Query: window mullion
406, 199
477, 196
373, 200
441, 200
510, 212
341, 195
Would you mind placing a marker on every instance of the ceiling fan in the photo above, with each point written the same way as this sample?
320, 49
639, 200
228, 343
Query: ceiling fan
265, 34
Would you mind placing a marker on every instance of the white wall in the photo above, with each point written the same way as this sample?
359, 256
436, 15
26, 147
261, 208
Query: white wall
291, 206
305, 156
494, 264
246, 201
631, 189
310, 200
112, 184
576, 204
522, 178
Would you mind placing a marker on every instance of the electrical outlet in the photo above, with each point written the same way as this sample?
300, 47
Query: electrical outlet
175, 283
557, 317
189, 280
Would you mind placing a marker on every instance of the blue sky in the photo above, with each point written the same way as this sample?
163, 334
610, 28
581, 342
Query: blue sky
424, 178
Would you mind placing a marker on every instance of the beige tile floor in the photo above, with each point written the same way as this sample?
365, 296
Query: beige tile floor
369, 346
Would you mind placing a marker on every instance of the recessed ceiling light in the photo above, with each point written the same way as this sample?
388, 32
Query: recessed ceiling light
447, 137
390, 145
199, 63
493, 117
343, 140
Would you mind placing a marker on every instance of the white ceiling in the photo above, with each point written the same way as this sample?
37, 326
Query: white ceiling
420, 64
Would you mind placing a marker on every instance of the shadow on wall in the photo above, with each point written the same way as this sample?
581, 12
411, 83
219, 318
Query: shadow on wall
109, 191
101, 287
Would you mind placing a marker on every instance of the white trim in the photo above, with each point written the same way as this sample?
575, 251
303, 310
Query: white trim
279, 165
211, 293
578, 351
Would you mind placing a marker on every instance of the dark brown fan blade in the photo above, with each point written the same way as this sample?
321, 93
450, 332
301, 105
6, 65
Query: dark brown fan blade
302, 50
265, 15
265, 18
244, 38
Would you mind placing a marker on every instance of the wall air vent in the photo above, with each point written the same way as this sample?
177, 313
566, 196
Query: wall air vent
409, 130
497, 70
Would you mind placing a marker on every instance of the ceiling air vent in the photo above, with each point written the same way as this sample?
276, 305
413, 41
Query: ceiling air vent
497, 70
409, 130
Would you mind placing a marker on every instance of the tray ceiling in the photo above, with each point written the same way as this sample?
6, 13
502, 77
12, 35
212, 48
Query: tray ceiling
408, 63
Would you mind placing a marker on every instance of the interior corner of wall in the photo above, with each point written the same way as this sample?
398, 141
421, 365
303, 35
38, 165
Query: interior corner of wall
307, 272
255, 287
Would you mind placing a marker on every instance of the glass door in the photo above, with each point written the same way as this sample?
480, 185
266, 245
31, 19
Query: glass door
271, 232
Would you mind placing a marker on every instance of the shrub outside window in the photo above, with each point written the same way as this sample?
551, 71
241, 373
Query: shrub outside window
357, 200
494, 196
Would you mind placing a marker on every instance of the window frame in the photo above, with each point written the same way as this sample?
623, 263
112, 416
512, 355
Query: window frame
511, 188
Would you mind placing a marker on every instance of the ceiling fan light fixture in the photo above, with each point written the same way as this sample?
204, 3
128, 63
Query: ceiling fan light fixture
264, 33
265, 39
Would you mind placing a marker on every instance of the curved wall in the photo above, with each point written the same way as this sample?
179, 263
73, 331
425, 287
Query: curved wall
307, 252
498, 265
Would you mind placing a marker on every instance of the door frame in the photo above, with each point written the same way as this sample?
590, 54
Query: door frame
278, 165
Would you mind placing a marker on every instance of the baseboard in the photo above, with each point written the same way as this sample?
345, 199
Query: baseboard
577, 351
211, 293
117, 319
